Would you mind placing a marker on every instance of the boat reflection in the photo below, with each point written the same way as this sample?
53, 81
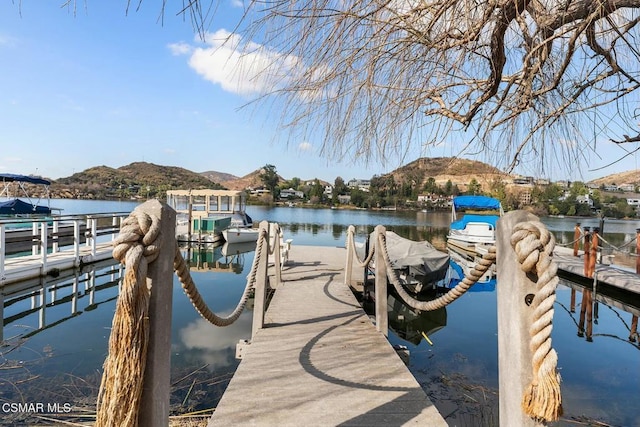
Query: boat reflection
414, 325
228, 257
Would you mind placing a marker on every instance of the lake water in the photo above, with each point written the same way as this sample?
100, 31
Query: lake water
54, 353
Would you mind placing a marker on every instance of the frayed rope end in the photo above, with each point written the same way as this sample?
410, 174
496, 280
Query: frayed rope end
543, 401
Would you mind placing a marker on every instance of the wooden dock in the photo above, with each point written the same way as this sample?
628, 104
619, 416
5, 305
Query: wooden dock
611, 276
320, 360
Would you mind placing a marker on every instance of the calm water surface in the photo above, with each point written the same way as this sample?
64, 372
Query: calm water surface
55, 353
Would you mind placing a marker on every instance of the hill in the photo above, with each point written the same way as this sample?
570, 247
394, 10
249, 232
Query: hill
251, 180
628, 177
139, 179
219, 176
443, 169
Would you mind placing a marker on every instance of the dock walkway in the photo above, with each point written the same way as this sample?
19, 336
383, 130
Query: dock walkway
319, 360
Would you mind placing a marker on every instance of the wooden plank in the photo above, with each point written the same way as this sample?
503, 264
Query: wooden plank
319, 360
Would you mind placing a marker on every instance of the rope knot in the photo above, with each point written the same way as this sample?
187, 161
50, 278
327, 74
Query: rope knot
139, 237
530, 240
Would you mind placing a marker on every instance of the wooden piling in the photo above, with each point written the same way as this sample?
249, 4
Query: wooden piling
154, 404
593, 256
587, 250
576, 239
638, 250
262, 278
514, 320
382, 317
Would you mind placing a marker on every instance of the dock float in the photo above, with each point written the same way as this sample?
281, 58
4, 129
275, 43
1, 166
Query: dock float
319, 360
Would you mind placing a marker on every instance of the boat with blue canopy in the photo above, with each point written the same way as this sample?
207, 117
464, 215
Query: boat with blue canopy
17, 200
471, 235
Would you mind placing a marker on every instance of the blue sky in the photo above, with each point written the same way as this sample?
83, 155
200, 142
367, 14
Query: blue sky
103, 87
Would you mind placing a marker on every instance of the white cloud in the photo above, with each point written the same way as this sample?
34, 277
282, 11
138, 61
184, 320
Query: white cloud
238, 66
179, 48
237, 3
305, 146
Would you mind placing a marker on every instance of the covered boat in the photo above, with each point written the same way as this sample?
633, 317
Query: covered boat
419, 265
14, 190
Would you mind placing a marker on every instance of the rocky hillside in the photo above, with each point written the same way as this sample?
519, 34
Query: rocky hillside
251, 180
628, 177
443, 169
138, 179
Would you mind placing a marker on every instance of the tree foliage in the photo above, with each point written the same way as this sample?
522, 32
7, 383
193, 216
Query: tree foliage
375, 77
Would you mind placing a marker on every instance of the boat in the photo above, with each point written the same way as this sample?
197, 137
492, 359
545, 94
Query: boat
202, 215
240, 235
472, 234
418, 265
15, 189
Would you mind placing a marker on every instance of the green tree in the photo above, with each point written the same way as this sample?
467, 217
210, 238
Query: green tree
270, 179
474, 187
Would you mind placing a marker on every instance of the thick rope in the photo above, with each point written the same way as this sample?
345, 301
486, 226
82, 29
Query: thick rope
352, 247
121, 385
619, 248
189, 287
453, 294
534, 245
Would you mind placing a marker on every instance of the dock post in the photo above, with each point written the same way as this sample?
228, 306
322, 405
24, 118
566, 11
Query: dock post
382, 317
154, 403
587, 250
593, 257
514, 318
262, 277
274, 230
637, 250
576, 239
349, 263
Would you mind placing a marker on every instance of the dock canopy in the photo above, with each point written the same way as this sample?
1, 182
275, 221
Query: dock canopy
10, 177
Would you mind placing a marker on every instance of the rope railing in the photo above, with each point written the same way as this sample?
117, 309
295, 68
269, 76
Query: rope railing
533, 245
137, 246
619, 248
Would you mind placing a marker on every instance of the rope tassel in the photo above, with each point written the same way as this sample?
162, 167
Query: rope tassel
120, 391
534, 245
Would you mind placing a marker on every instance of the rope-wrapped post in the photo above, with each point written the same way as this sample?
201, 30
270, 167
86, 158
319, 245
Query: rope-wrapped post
519, 302
262, 277
135, 384
382, 317
576, 239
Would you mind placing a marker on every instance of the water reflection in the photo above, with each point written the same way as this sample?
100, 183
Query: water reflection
47, 298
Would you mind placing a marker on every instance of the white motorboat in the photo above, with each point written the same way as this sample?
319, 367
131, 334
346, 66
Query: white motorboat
475, 231
240, 234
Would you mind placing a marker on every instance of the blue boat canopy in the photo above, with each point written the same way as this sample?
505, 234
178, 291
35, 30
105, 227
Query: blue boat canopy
10, 177
476, 202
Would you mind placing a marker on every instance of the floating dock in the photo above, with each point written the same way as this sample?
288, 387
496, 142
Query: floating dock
325, 366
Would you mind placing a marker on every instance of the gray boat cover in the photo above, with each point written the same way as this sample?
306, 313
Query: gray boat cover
419, 259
